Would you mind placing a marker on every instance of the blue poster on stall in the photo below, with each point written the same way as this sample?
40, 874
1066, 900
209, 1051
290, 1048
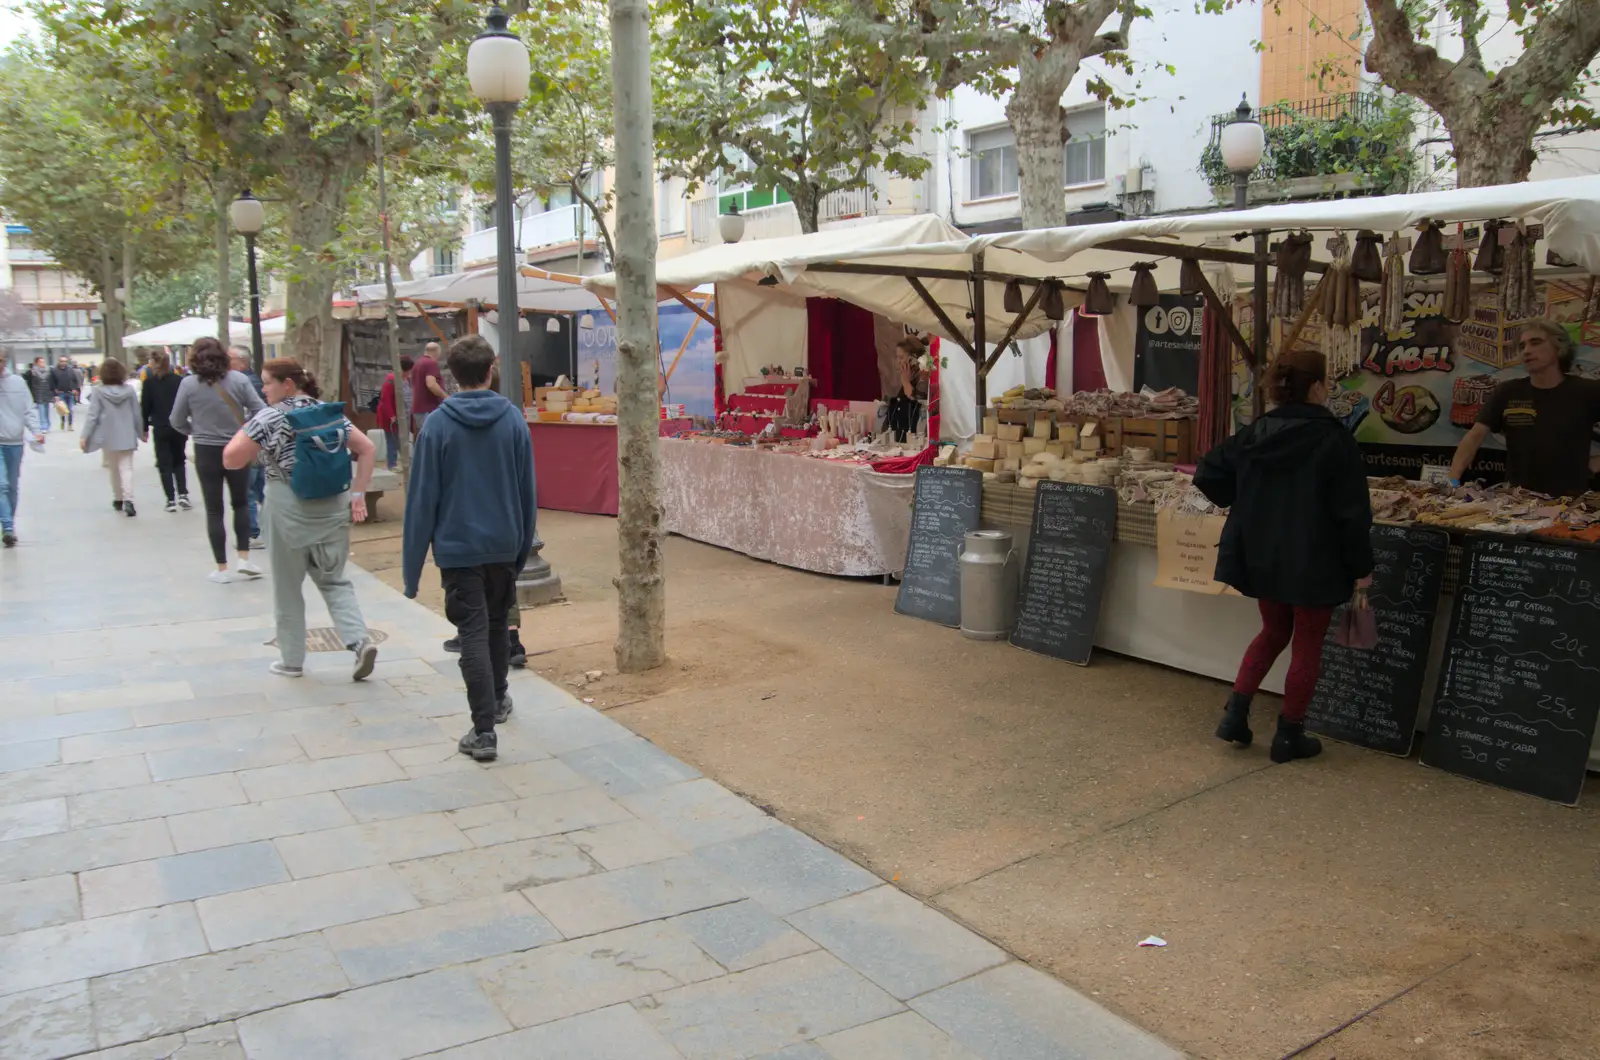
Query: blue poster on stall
688, 358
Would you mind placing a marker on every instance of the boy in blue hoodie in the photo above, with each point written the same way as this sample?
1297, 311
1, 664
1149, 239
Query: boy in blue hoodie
471, 498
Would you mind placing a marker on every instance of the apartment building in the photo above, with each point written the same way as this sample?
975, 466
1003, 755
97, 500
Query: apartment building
58, 311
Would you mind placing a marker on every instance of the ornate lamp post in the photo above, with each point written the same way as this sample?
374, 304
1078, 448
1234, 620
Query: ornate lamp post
1243, 144
248, 215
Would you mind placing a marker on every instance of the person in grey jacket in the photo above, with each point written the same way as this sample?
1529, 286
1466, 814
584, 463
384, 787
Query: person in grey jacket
112, 427
19, 421
213, 402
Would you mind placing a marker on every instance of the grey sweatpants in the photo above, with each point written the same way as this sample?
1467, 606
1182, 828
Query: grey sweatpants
323, 563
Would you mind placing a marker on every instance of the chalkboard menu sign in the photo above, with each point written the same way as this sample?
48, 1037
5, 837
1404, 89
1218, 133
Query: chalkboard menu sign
944, 508
1068, 554
1371, 697
1517, 698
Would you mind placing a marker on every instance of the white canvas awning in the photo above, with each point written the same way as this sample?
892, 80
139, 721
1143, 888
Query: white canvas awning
186, 331
536, 290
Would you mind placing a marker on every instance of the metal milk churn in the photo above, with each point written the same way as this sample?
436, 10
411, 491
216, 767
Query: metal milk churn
988, 585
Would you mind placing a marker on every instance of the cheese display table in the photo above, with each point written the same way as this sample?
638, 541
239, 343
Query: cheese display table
816, 515
575, 466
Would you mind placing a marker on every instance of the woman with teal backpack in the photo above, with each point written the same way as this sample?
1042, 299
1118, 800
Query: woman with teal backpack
311, 501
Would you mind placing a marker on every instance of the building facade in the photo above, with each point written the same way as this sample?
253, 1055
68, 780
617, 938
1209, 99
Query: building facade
50, 311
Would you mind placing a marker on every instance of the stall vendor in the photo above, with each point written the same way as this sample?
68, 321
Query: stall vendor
1547, 418
903, 404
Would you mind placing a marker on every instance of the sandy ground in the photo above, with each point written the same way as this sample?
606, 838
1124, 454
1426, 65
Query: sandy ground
1067, 813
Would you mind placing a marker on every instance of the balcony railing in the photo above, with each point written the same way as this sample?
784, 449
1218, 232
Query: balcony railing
760, 222
1364, 134
549, 229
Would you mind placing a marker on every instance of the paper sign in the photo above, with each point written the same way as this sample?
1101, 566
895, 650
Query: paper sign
1186, 552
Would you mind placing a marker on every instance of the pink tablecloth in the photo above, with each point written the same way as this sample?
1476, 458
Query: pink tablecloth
816, 515
575, 466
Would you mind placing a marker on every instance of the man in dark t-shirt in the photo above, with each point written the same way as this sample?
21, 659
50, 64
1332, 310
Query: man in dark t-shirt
1546, 418
427, 388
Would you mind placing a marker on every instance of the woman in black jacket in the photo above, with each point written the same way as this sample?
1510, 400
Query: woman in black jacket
155, 408
1298, 538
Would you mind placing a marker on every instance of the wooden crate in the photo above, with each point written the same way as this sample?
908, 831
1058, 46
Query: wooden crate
1169, 441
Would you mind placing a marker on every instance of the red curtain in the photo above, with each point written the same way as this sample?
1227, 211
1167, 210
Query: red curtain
1050, 361
1088, 372
933, 391
719, 398
841, 350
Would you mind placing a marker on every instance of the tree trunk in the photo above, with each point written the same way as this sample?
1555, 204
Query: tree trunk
1034, 112
312, 334
1491, 146
641, 588
221, 195
808, 205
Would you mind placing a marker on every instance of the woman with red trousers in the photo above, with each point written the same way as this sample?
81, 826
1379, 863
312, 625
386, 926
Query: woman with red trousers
1297, 539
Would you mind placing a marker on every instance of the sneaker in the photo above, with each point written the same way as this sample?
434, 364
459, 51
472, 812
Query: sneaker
248, 569
502, 710
172, 506
183, 501
453, 645
256, 544
127, 509
519, 654
221, 577
482, 746
287, 671
366, 659
116, 506
9, 538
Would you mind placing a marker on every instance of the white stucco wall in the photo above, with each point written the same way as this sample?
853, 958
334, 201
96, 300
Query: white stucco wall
1166, 130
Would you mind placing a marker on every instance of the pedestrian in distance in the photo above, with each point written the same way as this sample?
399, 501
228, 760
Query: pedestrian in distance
19, 424
388, 411
156, 398
1297, 539
427, 386
43, 393
312, 499
212, 403
111, 427
66, 382
239, 360
471, 500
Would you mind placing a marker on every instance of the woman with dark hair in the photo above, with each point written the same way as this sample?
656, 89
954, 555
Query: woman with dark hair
1297, 539
211, 404
156, 398
305, 537
112, 427
904, 411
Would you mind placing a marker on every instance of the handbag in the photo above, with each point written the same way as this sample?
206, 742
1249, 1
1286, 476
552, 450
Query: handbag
1358, 626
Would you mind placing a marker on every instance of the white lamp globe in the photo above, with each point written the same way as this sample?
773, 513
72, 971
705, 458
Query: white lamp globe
497, 63
731, 225
247, 214
1243, 141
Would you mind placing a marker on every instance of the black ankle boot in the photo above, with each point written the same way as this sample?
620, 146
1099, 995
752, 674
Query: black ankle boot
1291, 742
1235, 724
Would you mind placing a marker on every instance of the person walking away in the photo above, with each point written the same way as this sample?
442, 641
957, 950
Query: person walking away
1297, 539
156, 398
19, 422
427, 386
388, 411
65, 382
43, 393
471, 499
212, 403
111, 427
239, 360
306, 446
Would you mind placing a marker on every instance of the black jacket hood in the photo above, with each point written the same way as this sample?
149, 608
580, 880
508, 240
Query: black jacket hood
1288, 435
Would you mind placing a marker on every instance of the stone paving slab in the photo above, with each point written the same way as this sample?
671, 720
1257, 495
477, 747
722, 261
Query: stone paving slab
202, 861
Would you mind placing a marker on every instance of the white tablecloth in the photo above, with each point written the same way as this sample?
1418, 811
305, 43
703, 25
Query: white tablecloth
817, 515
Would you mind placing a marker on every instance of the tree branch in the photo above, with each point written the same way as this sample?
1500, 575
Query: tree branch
1471, 19
1407, 65
1562, 46
1117, 39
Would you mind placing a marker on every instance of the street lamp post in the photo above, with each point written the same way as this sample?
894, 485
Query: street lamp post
1243, 144
248, 216
498, 69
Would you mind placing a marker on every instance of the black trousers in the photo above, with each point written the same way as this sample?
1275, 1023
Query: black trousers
172, 460
208, 465
476, 600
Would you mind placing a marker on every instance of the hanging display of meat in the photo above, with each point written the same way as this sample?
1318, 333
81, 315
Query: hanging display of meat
1366, 260
1428, 257
1392, 295
1591, 305
1289, 285
1341, 311
1491, 255
1458, 281
1517, 289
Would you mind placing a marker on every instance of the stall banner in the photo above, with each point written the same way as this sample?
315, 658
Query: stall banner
1186, 552
1166, 347
688, 353
1418, 391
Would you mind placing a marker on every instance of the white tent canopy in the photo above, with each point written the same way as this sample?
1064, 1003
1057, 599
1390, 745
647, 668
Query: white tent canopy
186, 331
536, 290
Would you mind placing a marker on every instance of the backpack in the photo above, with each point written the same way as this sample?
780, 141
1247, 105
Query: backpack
321, 458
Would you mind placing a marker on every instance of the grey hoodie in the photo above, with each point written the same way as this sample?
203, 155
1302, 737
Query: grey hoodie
19, 419
201, 412
113, 419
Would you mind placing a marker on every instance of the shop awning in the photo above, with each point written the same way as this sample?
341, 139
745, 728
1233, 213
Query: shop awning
536, 290
186, 331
